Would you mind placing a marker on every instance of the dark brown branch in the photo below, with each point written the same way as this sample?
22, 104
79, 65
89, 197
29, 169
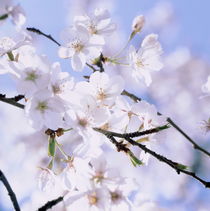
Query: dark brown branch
176, 166
119, 145
134, 134
99, 62
172, 123
10, 191
195, 145
132, 96
50, 204
91, 67
43, 34
12, 101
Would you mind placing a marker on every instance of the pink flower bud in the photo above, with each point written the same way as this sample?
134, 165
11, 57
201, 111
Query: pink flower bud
138, 23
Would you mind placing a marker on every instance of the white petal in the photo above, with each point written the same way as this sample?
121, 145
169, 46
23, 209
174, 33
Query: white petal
64, 52
78, 61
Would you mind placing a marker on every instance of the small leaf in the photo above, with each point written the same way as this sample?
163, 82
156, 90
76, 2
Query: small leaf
142, 140
11, 56
135, 161
4, 16
51, 147
181, 166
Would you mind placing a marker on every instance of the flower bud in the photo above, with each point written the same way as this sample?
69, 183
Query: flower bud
138, 23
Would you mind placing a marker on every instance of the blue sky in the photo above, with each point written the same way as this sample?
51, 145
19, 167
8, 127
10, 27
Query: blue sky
192, 16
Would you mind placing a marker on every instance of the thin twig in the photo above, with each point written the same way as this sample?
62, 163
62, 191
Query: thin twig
132, 96
195, 145
10, 191
99, 62
12, 101
172, 123
178, 167
134, 134
171, 163
91, 67
50, 204
42, 33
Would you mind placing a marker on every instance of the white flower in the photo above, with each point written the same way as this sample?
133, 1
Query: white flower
30, 80
46, 179
98, 24
147, 113
79, 47
86, 115
95, 199
99, 173
7, 45
146, 59
9, 52
60, 82
102, 87
45, 110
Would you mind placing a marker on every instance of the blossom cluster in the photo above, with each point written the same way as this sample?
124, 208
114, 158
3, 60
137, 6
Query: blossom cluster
55, 100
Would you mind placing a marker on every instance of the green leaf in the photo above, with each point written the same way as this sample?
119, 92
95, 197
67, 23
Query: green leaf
51, 147
181, 166
50, 165
134, 160
11, 56
4, 16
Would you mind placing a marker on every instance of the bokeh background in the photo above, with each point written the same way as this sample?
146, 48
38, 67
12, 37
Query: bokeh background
184, 32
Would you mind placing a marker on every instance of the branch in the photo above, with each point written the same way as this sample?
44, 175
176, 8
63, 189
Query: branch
195, 145
10, 191
91, 67
50, 204
132, 96
43, 34
172, 123
134, 134
99, 62
12, 101
177, 166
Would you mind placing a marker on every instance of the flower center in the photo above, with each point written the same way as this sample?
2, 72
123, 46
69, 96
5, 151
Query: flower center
31, 76
77, 45
83, 122
42, 106
101, 95
92, 28
98, 177
56, 89
92, 198
139, 63
115, 196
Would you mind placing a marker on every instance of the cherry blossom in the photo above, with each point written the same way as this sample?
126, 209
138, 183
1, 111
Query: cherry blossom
79, 47
146, 59
102, 87
45, 110
98, 24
